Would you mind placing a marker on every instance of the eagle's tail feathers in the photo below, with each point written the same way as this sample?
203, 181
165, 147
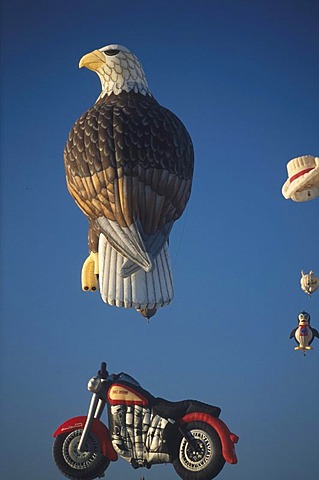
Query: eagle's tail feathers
138, 290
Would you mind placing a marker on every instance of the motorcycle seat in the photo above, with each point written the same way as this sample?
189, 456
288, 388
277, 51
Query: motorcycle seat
177, 410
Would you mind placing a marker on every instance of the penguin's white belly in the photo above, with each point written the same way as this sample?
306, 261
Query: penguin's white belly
303, 336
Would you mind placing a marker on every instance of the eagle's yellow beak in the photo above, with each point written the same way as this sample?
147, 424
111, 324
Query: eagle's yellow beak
93, 60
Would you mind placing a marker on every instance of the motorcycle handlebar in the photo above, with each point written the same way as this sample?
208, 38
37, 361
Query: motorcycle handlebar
103, 373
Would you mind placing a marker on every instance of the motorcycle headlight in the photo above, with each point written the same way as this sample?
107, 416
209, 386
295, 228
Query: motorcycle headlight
94, 384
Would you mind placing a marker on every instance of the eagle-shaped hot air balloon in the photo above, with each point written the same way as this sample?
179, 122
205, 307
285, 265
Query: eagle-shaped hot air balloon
309, 282
303, 179
304, 333
129, 167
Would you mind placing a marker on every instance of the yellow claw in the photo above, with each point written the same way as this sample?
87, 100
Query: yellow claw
90, 270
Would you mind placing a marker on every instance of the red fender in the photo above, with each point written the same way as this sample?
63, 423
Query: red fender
227, 438
99, 430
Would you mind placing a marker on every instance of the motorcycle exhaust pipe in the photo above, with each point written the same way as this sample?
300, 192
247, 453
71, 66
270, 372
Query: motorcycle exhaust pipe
88, 423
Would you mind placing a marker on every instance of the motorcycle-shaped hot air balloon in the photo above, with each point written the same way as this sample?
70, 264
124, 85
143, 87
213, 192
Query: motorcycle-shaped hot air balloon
309, 282
304, 334
144, 430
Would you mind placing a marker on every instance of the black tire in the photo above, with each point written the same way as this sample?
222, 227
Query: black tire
203, 463
74, 464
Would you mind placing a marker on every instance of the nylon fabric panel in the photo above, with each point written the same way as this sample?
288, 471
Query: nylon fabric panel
139, 290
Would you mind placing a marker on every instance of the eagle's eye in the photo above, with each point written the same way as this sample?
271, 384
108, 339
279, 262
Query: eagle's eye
111, 52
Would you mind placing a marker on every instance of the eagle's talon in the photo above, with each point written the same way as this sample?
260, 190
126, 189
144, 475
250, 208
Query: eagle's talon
89, 273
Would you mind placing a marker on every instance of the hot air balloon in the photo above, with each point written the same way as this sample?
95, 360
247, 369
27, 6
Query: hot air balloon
309, 282
304, 333
303, 179
129, 168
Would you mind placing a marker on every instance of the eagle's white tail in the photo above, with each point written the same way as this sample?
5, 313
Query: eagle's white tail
139, 290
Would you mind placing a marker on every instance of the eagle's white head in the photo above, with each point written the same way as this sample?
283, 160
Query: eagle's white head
118, 69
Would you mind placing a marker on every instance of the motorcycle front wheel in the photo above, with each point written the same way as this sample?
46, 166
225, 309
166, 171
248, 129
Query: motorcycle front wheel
205, 460
79, 465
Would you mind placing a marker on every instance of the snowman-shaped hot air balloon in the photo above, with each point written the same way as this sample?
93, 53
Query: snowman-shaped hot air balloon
304, 333
309, 282
303, 179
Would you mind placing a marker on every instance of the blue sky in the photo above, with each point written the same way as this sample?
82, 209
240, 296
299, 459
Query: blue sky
243, 78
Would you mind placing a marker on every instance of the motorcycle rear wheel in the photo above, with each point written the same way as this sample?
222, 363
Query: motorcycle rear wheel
206, 461
79, 465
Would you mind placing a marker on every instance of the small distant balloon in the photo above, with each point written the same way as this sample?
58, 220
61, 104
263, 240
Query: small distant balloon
309, 282
304, 334
303, 179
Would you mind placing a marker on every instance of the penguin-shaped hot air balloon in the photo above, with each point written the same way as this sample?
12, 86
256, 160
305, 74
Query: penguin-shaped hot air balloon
304, 333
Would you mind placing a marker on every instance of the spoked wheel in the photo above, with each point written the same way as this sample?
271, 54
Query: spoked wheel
79, 465
203, 461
